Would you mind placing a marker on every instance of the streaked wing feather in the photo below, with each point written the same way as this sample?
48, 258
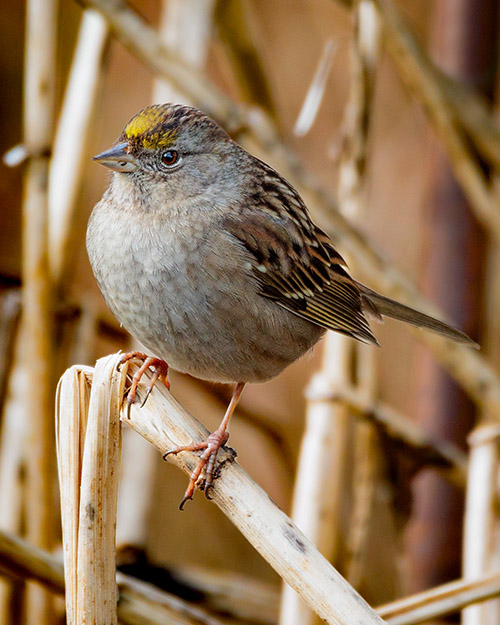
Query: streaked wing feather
295, 262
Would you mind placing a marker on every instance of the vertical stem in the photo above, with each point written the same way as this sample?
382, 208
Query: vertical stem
480, 505
317, 499
319, 485
464, 46
70, 141
36, 321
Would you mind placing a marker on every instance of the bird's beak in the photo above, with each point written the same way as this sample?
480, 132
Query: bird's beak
117, 158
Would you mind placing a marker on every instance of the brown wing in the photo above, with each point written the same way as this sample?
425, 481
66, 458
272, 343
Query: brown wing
295, 262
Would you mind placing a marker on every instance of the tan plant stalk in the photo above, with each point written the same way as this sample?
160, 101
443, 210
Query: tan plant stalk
14, 434
20, 559
69, 154
165, 424
319, 488
480, 514
138, 603
38, 111
185, 28
425, 83
352, 191
366, 473
440, 600
441, 455
72, 405
469, 107
89, 456
316, 91
233, 19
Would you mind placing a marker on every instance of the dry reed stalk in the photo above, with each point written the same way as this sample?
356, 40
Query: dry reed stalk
10, 312
14, 434
319, 487
88, 456
492, 304
425, 83
480, 513
440, 600
139, 603
228, 592
234, 20
186, 26
72, 405
466, 366
366, 472
470, 108
20, 559
70, 142
364, 58
165, 424
38, 111
316, 91
352, 170
442, 455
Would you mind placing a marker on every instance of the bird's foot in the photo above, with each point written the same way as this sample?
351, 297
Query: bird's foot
210, 448
160, 371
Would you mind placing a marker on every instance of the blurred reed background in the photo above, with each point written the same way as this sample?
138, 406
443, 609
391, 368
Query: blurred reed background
382, 113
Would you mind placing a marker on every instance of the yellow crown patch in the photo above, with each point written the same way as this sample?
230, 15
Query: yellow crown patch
146, 129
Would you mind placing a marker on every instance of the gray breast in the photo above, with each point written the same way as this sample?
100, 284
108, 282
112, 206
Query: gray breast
189, 299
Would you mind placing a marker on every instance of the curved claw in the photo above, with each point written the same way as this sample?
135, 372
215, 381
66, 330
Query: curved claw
167, 453
184, 500
147, 394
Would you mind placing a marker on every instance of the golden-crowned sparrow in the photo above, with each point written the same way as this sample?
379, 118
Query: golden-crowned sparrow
209, 257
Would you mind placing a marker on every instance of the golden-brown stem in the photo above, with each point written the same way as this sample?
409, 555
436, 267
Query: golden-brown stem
41, 20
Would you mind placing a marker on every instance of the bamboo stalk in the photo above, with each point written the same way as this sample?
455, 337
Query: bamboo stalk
482, 489
69, 155
466, 366
41, 20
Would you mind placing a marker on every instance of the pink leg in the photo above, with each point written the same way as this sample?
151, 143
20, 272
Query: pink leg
211, 447
160, 371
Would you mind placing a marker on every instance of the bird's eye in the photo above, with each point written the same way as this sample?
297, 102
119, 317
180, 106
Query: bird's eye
170, 158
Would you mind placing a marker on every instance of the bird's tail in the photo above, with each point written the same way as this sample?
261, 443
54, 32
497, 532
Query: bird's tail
378, 306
